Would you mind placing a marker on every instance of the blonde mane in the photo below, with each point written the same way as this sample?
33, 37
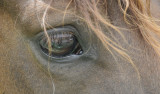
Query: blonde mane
135, 12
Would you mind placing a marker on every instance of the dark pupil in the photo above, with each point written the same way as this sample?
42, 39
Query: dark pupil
62, 44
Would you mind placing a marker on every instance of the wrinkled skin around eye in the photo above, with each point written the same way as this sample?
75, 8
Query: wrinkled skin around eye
23, 69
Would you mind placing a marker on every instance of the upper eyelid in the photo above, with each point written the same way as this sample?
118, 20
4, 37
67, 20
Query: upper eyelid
33, 27
66, 28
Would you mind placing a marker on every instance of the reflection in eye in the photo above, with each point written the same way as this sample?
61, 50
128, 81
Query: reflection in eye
63, 43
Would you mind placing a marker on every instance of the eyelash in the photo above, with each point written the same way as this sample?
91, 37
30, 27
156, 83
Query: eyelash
60, 37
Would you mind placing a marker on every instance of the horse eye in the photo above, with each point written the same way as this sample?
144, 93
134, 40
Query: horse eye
62, 42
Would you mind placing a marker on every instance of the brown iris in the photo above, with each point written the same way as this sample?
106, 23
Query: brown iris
62, 44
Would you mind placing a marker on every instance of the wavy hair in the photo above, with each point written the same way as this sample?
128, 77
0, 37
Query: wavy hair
135, 12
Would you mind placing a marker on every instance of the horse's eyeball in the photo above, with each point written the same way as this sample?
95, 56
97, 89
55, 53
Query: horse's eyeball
61, 42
